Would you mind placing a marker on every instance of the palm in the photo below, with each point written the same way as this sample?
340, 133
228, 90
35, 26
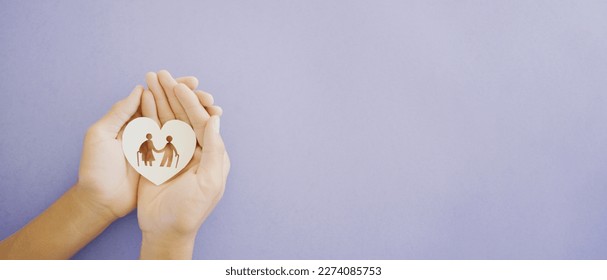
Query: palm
179, 205
106, 174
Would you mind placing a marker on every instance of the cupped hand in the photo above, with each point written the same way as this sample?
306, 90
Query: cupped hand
170, 214
104, 175
105, 179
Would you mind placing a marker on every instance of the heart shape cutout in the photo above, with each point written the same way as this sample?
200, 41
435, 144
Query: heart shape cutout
158, 154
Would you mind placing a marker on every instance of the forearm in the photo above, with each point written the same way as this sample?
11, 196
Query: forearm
60, 231
155, 247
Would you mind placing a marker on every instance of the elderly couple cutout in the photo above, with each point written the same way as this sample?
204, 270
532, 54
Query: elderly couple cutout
147, 150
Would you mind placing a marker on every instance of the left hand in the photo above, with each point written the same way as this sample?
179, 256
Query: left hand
106, 181
105, 177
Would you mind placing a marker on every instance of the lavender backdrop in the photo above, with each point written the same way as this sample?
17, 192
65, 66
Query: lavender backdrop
357, 129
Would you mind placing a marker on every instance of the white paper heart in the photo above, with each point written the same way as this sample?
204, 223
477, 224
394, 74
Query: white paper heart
158, 154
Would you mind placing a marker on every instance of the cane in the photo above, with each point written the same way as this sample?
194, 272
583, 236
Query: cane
177, 162
138, 157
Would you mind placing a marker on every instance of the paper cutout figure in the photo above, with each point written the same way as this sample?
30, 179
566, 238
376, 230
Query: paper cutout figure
146, 148
169, 149
140, 142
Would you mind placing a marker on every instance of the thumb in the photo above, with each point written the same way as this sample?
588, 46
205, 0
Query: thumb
121, 112
213, 150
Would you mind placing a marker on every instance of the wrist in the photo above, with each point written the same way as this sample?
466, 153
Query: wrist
68, 225
167, 246
87, 201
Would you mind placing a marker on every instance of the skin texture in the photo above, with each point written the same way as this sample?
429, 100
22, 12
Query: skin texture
106, 190
170, 214
104, 173
107, 186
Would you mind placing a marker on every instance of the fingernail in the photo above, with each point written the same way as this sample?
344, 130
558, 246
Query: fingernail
217, 125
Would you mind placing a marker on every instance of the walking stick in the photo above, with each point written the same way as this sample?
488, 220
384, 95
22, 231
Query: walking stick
138, 157
177, 162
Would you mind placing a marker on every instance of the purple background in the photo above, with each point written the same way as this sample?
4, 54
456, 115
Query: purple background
356, 129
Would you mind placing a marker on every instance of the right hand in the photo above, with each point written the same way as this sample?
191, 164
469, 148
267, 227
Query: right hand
170, 214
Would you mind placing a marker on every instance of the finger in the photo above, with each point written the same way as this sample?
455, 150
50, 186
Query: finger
197, 114
168, 84
136, 115
148, 106
214, 110
212, 160
206, 99
163, 108
121, 113
190, 81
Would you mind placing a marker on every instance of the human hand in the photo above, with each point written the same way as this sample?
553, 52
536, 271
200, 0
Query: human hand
106, 189
106, 182
104, 177
170, 214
